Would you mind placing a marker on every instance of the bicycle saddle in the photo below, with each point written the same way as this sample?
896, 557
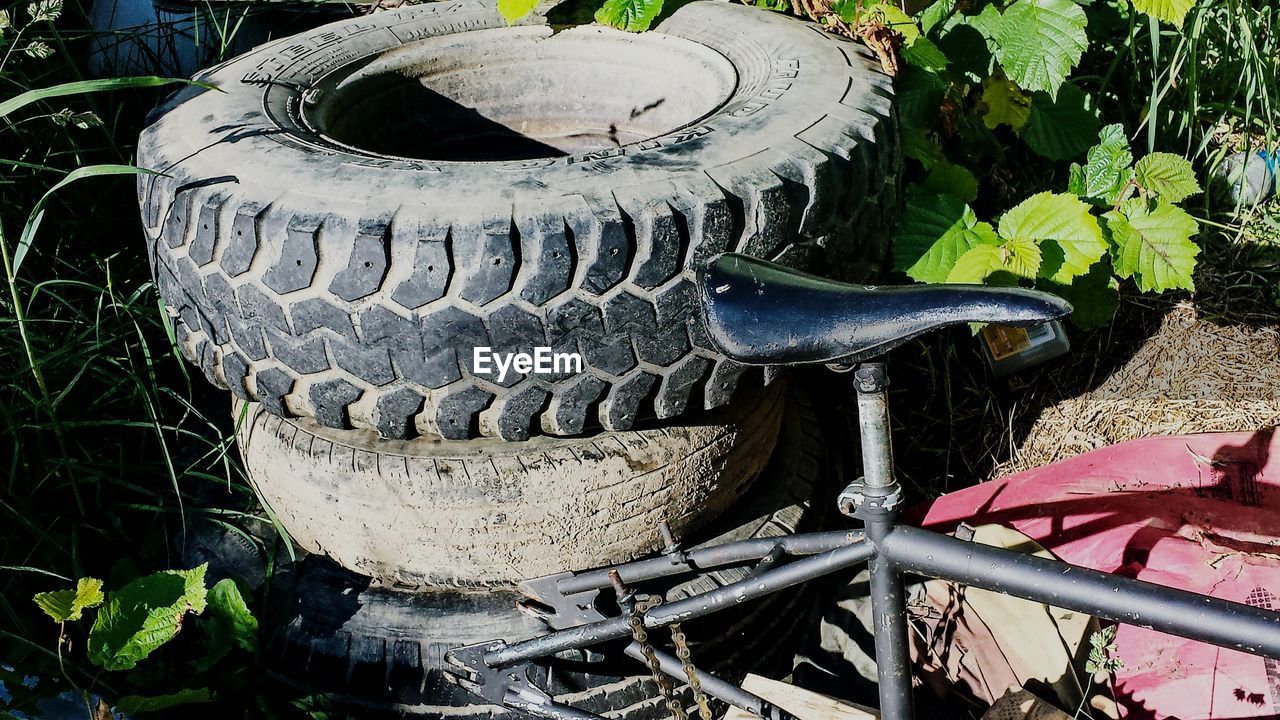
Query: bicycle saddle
761, 313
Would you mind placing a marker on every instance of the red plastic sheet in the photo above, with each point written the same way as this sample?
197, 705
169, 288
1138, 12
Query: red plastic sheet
1198, 512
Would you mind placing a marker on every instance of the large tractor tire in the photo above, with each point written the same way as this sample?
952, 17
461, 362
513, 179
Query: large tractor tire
357, 208
487, 512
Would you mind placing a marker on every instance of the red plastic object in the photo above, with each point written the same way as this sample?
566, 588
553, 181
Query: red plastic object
1198, 512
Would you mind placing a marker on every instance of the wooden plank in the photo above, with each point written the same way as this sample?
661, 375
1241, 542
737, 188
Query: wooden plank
804, 704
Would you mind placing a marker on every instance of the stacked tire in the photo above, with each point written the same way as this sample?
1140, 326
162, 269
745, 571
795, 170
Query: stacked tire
354, 211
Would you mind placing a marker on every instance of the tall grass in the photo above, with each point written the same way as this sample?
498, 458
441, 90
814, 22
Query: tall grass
103, 431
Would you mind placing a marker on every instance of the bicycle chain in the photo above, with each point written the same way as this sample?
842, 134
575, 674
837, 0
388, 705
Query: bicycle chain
682, 652
635, 621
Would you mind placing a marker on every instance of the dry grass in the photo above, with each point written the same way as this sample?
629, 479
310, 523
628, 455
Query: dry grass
1191, 376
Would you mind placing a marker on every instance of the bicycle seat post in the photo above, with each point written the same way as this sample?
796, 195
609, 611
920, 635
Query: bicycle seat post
875, 498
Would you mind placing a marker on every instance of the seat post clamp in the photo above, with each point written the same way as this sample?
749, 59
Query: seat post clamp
870, 378
859, 501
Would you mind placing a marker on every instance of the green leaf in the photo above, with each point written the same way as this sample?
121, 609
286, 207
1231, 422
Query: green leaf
1002, 263
917, 146
630, 15
893, 17
935, 230
1038, 42
1021, 257
1003, 103
84, 86
1062, 225
1060, 128
977, 264
1106, 172
1094, 296
64, 605
143, 615
515, 10
230, 616
935, 13
925, 55
953, 180
1170, 11
919, 96
1153, 244
37, 212
132, 704
967, 42
1167, 176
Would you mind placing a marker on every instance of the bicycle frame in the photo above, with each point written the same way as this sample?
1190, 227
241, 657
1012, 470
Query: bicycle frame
891, 550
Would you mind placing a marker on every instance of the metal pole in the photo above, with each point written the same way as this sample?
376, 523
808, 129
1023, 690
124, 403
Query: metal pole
876, 500
714, 686
856, 551
710, 557
1125, 600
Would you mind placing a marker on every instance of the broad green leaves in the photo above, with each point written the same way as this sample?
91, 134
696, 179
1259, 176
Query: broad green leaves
630, 15
1064, 227
144, 615
1018, 56
513, 10
953, 180
1052, 236
1167, 176
1152, 244
1170, 11
69, 604
1106, 172
1094, 296
933, 233
1038, 42
1063, 127
137, 619
1005, 104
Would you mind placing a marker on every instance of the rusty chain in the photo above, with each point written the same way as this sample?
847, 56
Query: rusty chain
635, 619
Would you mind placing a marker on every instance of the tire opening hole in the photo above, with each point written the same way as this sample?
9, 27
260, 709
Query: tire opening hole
520, 94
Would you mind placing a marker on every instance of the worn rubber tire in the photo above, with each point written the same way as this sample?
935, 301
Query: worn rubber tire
350, 286
382, 649
488, 512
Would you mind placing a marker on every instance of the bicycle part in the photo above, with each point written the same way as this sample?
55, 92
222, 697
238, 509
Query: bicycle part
1125, 600
877, 489
855, 551
564, 592
633, 610
681, 644
762, 313
510, 687
584, 612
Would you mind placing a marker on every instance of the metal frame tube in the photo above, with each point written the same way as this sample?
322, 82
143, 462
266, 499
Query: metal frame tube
712, 685
1124, 600
711, 557
889, 620
857, 550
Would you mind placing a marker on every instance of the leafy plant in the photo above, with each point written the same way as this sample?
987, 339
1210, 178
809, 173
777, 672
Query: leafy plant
1117, 221
136, 620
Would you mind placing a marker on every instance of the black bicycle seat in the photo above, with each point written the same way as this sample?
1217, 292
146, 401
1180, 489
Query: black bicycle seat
762, 313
